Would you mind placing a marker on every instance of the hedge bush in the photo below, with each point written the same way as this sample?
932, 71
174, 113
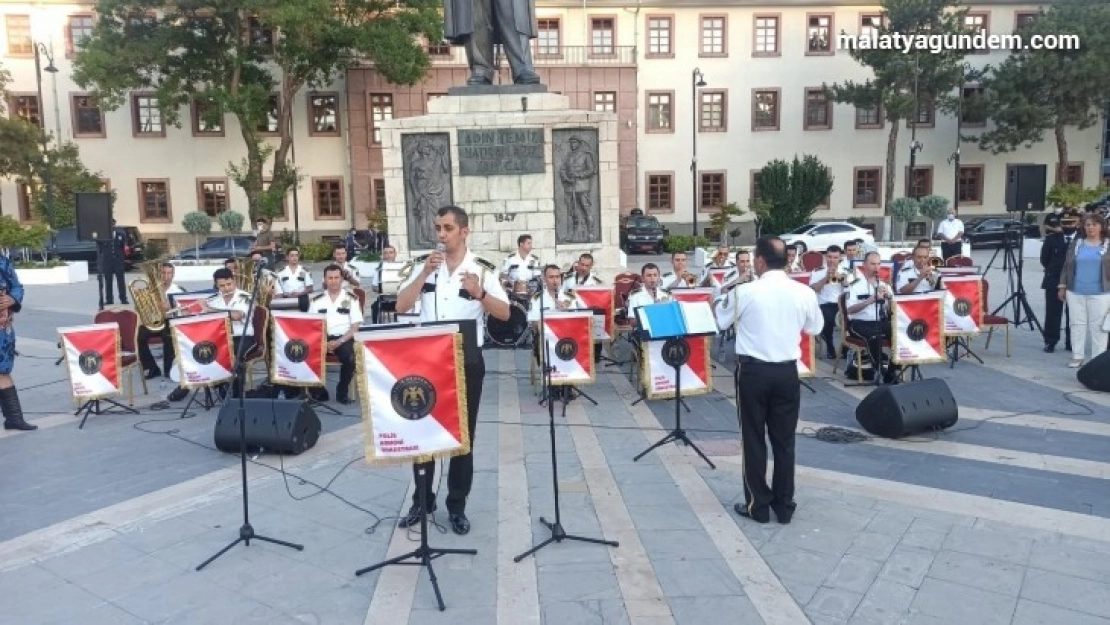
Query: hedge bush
316, 252
683, 243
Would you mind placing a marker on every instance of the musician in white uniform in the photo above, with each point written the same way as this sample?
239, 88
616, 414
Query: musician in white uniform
828, 282
293, 282
552, 296
742, 273
389, 255
146, 358
454, 285
920, 277
235, 301
582, 274
350, 272
521, 264
720, 260
343, 313
868, 304
647, 293
679, 277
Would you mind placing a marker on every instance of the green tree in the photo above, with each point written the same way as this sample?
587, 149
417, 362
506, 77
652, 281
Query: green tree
19, 139
904, 209
1038, 91
722, 217
231, 222
934, 208
791, 192
198, 224
231, 55
68, 175
897, 76
1073, 195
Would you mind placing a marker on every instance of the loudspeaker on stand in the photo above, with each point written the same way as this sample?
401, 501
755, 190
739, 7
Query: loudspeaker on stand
284, 426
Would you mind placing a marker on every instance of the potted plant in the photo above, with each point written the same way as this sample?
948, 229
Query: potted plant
197, 224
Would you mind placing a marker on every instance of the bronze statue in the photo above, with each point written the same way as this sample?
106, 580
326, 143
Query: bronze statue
480, 24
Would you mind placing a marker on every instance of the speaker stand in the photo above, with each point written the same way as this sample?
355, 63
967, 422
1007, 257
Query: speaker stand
208, 401
955, 345
93, 407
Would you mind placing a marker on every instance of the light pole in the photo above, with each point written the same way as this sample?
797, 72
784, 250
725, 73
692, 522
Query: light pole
915, 145
40, 49
955, 158
697, 80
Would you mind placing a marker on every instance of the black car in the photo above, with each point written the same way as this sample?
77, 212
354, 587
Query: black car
993, 231
642, 234
217, 248
65, 245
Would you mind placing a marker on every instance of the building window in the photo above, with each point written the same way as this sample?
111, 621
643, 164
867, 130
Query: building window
88, 121
1073, 174
969, 117
660, 112
713, 111
261, 35
381, 109
328, 197
756, 185
712, 191
146, 117
714, 35
926, 111
971, 184
154, 200
869, 117
26, 107
660, 29
602, 36
323, 111
208, 118
1023, 19
765, 109
766, 35
605, 101
19, 35
282, 213
920, 183
975, 23
23, 197
870, 24
818, 110
442, 48
660, 188
549, 42
866, 189
212, 196
379, 195
78, 28
271, 125
819, 34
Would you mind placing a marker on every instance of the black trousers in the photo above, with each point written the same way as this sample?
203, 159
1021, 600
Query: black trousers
107, 274
146, 357
948, 250
460, 475
874, 332
769, 397
237, 386
346, 355
1054, 313
829, 311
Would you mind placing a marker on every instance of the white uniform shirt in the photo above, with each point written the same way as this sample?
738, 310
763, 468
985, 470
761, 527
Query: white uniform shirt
705, 274
910, 274
291, 280
860, 290
352, 272
446, 303
830, 293
950, 228
173, 289
341, 312
520, 267
643, 297
770, 315
545, 301
573, 280
240, 300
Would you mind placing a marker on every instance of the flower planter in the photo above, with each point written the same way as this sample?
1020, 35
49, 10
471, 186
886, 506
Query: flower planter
69, 273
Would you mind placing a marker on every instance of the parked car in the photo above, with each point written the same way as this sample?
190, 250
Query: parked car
992, 231
642, 234
819, 236
65, 245
216, 248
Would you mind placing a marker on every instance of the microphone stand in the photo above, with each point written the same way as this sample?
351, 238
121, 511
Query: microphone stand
246, 532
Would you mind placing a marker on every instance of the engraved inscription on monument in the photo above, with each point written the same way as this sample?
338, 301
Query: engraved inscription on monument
577, 186
427, 172
501, 151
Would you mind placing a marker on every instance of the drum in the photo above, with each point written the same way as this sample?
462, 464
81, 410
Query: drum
508, 333
520, 289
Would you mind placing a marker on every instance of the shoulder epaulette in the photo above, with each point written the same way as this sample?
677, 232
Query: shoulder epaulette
485, 263
538, 295
639, 288
317, 296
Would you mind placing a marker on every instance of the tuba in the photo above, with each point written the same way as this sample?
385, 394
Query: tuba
247, 270
147, 295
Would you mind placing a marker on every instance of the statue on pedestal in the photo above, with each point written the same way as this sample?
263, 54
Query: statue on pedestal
479, 24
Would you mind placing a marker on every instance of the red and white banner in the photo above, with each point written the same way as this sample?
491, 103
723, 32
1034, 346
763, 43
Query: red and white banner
802, 277
963, 305
93, 359
918, 332
413, 391
717, 278
203, 347
300, 345
807, 364
598, 297
570, 347
886, 271
693, 295
659, 377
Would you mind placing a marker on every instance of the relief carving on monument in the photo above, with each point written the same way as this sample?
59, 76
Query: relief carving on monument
426, 161
577, 186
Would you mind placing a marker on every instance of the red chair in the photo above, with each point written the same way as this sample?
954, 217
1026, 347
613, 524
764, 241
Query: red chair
993, 321
260, 351
849, 340
128, 321
361, 294
899, 259
959, 260
812, 261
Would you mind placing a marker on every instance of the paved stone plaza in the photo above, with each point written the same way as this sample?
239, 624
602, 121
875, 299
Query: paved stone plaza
1004, 518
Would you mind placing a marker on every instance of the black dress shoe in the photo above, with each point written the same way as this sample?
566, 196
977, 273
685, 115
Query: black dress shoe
742, 510
178, 394
459, 523
22, 426
1048, 349
412, 517
346, 401
783, 513
152, 373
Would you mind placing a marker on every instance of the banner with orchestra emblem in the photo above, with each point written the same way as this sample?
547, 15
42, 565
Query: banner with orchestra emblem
412, 388
658, 366
93, 360
717, 278
886, 271
802, 276
300, 344
693, 295
807, 364
598, 297
918, 332
570, 346
963, 308
203, 348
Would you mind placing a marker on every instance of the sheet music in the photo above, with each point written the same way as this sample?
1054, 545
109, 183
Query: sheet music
698, 317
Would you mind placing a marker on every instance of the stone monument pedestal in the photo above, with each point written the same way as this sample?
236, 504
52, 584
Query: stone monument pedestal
518, 164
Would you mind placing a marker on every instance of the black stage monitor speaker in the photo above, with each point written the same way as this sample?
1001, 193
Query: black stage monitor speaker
1095, 375
286, 426
904, 409
1025, 187
94, 216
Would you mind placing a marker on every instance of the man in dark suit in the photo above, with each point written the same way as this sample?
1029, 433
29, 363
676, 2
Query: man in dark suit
112, 266
1053, 253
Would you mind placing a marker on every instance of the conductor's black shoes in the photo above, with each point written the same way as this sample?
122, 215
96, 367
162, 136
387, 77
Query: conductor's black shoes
413, 516
742, 510
459, 523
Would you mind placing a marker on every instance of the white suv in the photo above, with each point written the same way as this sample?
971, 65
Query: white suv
819, 236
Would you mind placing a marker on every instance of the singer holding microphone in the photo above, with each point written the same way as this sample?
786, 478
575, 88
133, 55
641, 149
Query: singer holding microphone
454, 284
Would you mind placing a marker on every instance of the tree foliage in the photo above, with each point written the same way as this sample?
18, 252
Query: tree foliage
68, 176
231, 222
1071, 195
1038, 91
17, 235
904, 209
897, 75
719, 221
198, 224
19, 139
791, 192
232, 55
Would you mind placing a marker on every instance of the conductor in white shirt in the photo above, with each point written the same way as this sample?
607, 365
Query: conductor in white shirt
951, 235
769, 315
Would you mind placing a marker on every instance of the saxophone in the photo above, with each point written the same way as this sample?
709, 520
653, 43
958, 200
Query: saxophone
147, 295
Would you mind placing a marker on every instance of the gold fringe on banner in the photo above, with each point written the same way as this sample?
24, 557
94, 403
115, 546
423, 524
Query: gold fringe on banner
181, 370
119, 368
646, 371
322, 373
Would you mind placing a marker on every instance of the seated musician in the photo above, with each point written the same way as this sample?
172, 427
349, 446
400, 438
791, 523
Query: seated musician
582, 274
649, 292
720, 260
382, 304
793, 262
740, 274
520, 265
552, 298
146, 358
294, 283
679, 277
868, 305
344, 316
232, 265
921, 277
349, 272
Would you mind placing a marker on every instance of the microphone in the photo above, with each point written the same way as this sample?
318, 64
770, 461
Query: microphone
262, 262
441, 247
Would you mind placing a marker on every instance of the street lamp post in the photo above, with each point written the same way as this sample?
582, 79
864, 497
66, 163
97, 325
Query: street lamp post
915, 145
697, 80
41, 50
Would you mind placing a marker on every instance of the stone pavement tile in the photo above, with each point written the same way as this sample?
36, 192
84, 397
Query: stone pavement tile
103, 614
339, 605
957, 603
925, 533
851, 516
344, 559
890, 522
57, 602
907, 565
834, 603
978, 572
233, 609
652, 495
156, 535
1036, 613
853, 573
873, 546
576, 582
584, 612
678, 545
696, 578
1066, 591
991, 544
814, 538
640, 474
662, 517
91, 559
917, 618
1036, 535
570, 551
736, 609
453, 615
288, 590
1064, 558
884, 603
127, 577
189, 593
472, 587
18, 582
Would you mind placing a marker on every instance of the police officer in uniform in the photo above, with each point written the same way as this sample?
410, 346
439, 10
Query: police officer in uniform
112, 259
344, 316
582, 274
868, 305
647, 293
454, 285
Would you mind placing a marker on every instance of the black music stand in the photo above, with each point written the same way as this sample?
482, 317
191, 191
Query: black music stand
207, 402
